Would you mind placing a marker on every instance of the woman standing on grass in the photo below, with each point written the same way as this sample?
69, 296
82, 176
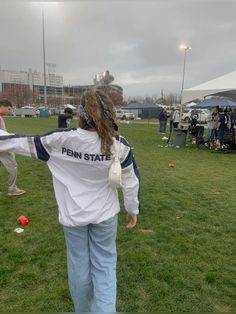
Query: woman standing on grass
79, 161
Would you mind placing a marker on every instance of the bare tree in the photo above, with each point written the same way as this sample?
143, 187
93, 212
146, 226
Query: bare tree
19, 94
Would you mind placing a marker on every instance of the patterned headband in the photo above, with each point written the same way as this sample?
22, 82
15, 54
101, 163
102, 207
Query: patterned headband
83, 114
106, 111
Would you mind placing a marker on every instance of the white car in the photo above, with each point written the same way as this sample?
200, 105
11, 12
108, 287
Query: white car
124, 114
202, 115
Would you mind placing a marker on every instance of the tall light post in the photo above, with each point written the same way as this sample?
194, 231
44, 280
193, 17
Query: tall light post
185, 48
42, 5
44, 60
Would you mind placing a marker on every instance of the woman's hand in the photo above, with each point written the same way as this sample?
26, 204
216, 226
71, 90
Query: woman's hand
131, 219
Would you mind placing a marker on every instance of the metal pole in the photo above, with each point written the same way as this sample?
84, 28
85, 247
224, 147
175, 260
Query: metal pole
44, 61
182, 88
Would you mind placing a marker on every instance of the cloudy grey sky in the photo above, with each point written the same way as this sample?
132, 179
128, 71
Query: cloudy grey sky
136, 40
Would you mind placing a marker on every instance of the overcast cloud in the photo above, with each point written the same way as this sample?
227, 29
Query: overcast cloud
136, 40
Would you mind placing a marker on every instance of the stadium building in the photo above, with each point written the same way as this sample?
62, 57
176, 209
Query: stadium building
27, 87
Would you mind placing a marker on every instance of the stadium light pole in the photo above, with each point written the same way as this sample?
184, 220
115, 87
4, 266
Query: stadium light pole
185, 48
43, 5
44, 59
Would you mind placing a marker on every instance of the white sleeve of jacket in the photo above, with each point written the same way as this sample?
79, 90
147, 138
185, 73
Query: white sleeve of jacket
130, 178
19, 144
37, 146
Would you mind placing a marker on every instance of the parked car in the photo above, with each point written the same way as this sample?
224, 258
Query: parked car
124, 114
202, 115
26, 111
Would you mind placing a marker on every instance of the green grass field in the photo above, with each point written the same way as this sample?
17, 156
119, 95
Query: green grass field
179, 258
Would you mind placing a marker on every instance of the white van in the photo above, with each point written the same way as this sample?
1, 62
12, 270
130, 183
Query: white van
202, 115
124, 114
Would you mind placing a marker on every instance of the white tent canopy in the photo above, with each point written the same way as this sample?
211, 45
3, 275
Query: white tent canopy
191, 104
222, 86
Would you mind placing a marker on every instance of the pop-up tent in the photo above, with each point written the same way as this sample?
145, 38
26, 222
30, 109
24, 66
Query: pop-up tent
191, 104
213, 102
222, 86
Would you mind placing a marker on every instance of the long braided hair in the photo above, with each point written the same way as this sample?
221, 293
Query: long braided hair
96, 111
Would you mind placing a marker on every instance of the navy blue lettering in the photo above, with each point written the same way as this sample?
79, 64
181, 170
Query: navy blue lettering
86, 156
70, 152
63, 150
97, 158
92, 156
77, 155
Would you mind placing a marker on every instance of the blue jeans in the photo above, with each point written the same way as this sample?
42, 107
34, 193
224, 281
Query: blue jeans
220, 135
211, 135
91, 263
162, 126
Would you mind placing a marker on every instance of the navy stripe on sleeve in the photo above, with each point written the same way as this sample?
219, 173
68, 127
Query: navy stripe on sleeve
136, 171
41, 151
7, 137
128, 160
122, 140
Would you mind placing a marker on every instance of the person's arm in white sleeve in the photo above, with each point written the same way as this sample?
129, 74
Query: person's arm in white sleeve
16, 143
37, 146
130, 179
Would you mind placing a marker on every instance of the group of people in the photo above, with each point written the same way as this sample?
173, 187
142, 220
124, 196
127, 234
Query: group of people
219, 122
80, 160
174, 119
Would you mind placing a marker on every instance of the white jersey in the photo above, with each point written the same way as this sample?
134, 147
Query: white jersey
80, 173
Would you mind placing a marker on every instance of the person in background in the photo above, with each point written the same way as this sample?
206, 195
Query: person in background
234, 116
176, 119
222, 126
163, 121
7, 158
172, 111
231, 119
194, 118
79, 160
216, 109
212, 124
216, 115
65, 118
37, 112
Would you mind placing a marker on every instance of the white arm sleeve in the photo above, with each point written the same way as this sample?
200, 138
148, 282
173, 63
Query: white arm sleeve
130, 179
37, 146
19, 144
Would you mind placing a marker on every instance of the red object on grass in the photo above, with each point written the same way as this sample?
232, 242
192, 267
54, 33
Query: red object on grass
171, 165
23, 220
